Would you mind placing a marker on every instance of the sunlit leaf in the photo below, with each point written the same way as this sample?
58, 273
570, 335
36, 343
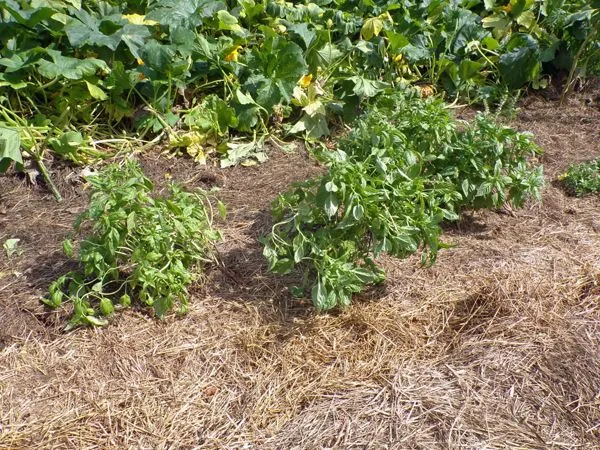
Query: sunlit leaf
68, 67
276, 68
95, 91
364, 87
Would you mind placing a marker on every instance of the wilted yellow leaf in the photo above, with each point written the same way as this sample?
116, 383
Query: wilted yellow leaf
138, 19
427, 91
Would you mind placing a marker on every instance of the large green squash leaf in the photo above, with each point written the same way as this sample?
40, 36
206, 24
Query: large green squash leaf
277, 66
84, 29
520, 63
468, 29
186, 13
304, 31
70, 68
157, 56
363, 87
134, 37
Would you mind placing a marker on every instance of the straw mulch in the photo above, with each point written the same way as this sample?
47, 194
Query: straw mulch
497, 346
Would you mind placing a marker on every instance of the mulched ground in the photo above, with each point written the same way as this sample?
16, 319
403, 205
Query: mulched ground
496, 346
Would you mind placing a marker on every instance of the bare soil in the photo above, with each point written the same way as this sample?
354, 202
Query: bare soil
496, 346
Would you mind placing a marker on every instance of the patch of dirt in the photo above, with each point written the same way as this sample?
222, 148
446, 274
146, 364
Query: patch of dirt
495, 346
32, 215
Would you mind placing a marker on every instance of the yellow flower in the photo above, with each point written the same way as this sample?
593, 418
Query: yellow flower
234, 54
305, 80
140, 62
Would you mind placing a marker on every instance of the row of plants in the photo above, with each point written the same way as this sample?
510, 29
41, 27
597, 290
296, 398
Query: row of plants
218, 76
582, 179
405, 168
82, 81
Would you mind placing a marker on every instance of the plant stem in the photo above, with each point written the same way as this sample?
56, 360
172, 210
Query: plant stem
47, 178
567, 88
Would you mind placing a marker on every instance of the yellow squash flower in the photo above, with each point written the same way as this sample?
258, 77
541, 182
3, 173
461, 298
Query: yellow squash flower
305, 81
234, 54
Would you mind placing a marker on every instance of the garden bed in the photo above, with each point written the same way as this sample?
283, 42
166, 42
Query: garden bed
497, 345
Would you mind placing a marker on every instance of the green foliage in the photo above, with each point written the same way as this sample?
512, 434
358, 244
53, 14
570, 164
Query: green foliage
136, 65
404, 168
521, 61
276, 67
134, 246
582, 179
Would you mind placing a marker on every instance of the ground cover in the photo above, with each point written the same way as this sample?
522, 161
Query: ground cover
495, 346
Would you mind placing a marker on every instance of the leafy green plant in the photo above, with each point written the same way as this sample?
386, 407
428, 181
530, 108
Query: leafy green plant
582, 179
135, 246
582, 41
404, 169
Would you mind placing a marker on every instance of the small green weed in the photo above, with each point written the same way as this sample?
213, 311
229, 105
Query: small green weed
404, 169
582, 179
135, 246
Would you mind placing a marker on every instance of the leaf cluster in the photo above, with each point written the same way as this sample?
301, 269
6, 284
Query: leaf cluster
406, 167
582, 179
134, 245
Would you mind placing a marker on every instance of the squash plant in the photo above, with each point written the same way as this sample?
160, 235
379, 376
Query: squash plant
105, 67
